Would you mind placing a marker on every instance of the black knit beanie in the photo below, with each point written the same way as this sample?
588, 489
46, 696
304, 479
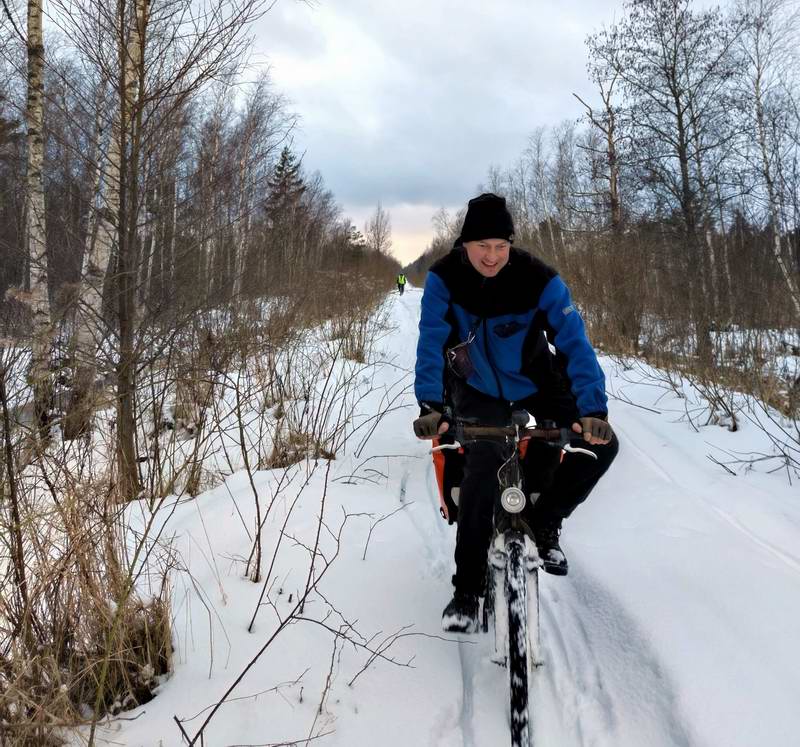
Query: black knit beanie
487, 218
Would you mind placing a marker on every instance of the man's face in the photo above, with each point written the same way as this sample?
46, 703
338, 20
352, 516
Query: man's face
488, 256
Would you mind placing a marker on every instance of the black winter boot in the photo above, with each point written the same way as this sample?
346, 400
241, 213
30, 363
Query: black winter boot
461, 615
547, 532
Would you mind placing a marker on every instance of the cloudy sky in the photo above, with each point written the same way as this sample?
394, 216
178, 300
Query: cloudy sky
408, 102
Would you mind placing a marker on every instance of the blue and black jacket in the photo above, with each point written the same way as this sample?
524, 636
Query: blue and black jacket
507, 315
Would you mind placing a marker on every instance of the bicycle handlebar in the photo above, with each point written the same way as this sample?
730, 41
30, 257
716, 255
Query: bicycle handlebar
489, 431
563, 438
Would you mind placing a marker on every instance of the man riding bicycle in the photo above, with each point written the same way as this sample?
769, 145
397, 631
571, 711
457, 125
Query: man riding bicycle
489, 314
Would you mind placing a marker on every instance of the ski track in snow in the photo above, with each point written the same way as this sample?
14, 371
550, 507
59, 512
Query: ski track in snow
622, 666
644, 455
582, 625
468, 668
789, 560
430, 529
688, 487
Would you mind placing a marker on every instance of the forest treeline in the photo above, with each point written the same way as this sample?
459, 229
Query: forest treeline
147, 174
673, 206
164, 258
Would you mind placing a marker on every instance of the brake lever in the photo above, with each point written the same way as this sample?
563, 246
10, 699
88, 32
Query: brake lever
442, 447
567, 436
578, 450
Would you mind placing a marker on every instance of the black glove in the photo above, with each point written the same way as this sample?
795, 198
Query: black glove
429, 420
595, 429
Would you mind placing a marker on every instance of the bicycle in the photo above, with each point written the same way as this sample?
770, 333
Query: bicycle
513, 557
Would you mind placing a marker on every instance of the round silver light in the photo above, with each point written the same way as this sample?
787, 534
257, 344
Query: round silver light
513, 500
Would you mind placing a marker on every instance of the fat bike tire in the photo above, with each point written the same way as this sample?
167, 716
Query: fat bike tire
518, 653
488, 599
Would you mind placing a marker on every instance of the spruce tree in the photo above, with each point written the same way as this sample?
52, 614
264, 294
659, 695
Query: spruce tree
286, 187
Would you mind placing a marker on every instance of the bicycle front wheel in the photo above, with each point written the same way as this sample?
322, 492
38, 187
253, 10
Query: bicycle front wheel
518, 653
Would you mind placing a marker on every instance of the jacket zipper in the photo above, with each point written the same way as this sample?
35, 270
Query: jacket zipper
489, 359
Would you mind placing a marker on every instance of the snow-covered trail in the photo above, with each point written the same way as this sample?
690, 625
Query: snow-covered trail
678, 624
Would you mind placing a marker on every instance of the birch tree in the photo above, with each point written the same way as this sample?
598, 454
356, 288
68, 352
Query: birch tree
767, 48
378, 231
673, 63
538, 160
36, 234
101, 240
605, 120
156, 62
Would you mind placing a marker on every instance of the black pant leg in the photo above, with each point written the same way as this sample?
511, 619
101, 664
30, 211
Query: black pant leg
479, 488
479, 491
574, 478
539, 466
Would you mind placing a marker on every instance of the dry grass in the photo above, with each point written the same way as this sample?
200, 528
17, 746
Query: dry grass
76, 639
293, 447
85, 627
58, 686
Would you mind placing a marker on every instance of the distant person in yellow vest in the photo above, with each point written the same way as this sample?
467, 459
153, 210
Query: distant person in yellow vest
401, 283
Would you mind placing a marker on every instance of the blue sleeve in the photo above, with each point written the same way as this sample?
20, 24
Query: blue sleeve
433, 333
588, 380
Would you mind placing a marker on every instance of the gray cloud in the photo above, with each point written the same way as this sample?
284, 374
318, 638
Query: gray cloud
410, 102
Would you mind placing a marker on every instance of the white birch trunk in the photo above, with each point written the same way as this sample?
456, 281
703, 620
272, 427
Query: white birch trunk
776, 223
148, 243
243, 221
101, 240
37, 299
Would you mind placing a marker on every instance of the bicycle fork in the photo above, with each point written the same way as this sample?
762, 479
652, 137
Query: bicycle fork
498, 558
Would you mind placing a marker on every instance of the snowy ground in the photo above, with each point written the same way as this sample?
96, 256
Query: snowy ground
678, 623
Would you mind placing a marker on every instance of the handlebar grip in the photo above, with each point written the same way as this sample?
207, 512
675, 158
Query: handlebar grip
561, 438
